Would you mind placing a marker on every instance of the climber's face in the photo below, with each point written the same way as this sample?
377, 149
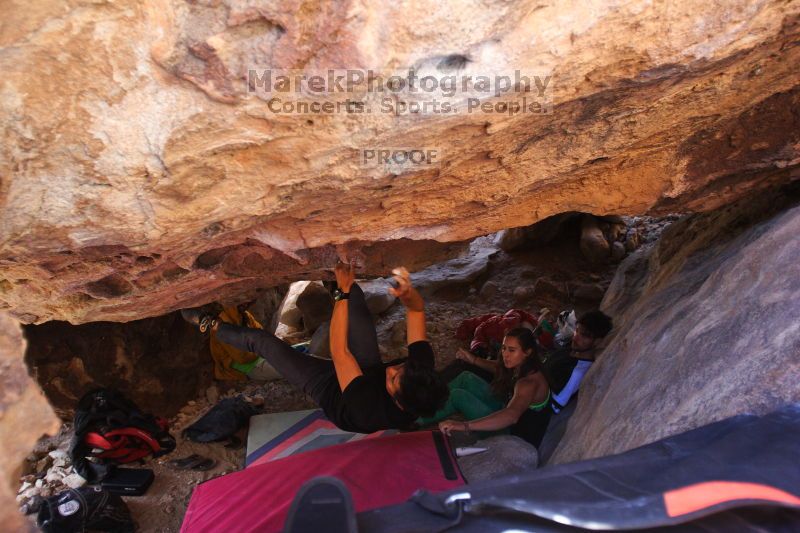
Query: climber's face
582, 340
393, 375
512, 352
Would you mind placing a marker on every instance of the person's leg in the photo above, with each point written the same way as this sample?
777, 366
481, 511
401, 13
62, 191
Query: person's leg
262, 371
457, 367
470, 396
479, 388
362, 339
309, 374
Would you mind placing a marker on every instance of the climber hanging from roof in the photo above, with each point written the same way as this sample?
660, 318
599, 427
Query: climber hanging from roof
355, 389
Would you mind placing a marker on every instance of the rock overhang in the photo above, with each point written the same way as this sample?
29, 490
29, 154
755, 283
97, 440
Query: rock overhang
151, 180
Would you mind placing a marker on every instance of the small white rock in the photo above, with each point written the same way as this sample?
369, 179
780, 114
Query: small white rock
55, 474
39, 483
25, 486
212, 394
58, 454
74, 481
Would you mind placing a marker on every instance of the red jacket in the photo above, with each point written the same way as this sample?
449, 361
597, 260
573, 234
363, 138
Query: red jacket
485, 330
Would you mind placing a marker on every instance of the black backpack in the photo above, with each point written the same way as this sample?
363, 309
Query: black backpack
86, 508
112, 430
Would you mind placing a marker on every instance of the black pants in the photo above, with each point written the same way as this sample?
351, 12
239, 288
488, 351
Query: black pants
311, 374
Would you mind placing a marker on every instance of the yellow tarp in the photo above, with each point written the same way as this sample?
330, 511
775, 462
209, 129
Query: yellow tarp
223, 354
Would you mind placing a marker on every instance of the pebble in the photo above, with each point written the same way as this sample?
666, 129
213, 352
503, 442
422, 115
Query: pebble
58, 454
74, 481
44, 463
617, 251
212, 394
257, 400
55, 474
31, 492
489, 290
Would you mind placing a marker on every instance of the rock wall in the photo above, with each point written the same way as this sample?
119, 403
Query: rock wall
25, 416
160, 363
138, 175
706, 327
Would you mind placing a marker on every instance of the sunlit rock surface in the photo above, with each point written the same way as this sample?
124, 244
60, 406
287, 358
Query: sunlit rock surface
706, 327
25, 416
138, 175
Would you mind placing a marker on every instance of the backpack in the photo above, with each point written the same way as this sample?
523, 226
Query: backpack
112, 430
86, 508
222, 421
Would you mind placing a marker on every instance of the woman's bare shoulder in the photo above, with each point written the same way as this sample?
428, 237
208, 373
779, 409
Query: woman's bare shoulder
534, 379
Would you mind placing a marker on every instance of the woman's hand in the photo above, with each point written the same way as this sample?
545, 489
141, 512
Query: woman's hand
448, 426
405, 291
345, 276
464, 355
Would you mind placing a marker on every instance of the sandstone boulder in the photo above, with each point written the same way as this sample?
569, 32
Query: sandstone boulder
24, 417
377, 295
156, 177
321, 341
288, 312
705, 328
593, 244
504, 455
315, 303
489, 290
459, 271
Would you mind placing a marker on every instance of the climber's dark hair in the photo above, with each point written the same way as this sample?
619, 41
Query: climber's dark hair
596, 323
422, 390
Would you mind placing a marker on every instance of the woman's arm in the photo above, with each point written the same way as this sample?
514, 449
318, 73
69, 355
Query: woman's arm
480, 362
525, 391
415, 306
344, 363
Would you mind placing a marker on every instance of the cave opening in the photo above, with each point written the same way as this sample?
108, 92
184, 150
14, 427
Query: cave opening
166, 367
651, 275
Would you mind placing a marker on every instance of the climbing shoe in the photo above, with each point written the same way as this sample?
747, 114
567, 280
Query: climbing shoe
196, 317
322, 504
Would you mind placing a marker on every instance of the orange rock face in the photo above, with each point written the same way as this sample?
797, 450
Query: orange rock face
25, 416
141, 172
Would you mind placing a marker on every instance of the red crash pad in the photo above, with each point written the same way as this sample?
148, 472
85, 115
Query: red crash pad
378, 472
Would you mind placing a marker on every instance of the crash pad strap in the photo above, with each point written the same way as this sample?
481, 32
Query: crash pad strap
445, 459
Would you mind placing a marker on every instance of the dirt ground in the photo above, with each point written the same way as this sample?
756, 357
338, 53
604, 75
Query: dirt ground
162, 508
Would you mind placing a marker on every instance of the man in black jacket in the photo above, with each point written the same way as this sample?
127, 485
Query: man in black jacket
566, 367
